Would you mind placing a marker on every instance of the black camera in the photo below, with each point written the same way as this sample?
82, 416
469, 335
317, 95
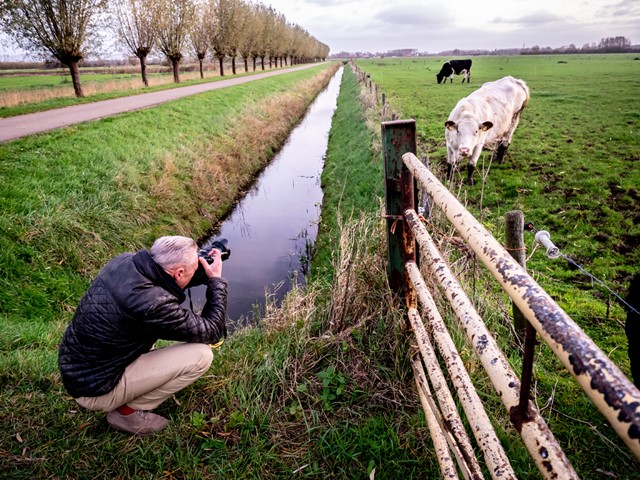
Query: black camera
200, 277
220, 244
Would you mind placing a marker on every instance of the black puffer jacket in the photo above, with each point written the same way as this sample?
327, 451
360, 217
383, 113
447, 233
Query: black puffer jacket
131, 304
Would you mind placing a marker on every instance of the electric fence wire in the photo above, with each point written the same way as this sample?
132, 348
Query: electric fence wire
529, 226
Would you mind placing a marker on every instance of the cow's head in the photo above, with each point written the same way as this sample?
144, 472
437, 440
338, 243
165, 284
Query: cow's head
439, 77
466, 135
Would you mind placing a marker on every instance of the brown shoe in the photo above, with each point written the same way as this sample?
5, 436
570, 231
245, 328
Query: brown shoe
140, 422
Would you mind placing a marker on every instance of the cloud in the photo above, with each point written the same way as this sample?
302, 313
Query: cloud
328, 3
536, 19
626, 8
425, 16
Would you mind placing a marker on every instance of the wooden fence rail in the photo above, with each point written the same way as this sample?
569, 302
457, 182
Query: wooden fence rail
606, 386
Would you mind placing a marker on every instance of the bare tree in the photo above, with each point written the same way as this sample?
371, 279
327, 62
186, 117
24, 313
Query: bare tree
270, 35
614, 44
199, 34
233, 27
285, 39
217, 32
225, 38
258, 26
266, 17
176, 16
248, 20
61, 28
136, 25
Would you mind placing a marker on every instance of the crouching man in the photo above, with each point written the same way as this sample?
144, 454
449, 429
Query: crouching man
106, 357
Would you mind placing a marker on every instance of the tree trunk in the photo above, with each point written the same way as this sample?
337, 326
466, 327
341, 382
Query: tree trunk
143, 70
75, 77
220, 60
270, 61
254, 63
246, 65
201, 60
176, 70
233, 65
262, 61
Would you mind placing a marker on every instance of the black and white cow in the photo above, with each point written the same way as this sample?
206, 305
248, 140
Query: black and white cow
457, 67
487, 117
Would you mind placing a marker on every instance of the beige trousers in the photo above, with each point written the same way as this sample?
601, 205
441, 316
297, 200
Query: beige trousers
154, 377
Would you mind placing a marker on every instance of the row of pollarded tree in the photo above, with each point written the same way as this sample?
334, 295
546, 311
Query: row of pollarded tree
67, 29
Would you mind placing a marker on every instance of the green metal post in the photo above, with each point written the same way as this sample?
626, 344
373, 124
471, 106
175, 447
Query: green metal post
398, 138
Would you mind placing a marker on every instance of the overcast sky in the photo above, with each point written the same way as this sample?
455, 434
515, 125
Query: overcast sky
433, 26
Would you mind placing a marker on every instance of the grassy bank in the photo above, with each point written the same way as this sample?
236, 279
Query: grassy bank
317, 391
75, 197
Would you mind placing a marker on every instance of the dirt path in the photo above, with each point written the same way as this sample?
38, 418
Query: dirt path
16, 127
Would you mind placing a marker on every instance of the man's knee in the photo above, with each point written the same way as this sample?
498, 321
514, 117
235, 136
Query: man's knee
204, 356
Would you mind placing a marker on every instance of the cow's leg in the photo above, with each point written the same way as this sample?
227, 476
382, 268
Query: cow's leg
449, 172
502, 151
506, 139
470, 169
473, 161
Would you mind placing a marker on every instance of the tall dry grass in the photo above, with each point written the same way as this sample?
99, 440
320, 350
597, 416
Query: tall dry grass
12, 98
229, 160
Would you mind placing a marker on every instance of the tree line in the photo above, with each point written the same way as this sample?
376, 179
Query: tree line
69, 29
607, 45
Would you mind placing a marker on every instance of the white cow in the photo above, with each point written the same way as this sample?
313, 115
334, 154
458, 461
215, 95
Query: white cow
485, 118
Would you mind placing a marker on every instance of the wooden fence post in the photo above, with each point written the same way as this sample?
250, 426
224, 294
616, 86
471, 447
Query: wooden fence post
398, 138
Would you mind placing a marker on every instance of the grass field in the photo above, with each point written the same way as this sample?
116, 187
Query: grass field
572, 169
573, 164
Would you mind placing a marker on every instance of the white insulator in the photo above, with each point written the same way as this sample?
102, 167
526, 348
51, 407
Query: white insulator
543, 238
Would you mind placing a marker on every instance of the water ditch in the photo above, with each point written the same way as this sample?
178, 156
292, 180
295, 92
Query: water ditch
272, 230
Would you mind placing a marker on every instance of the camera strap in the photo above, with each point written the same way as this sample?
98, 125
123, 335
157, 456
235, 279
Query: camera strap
190, 299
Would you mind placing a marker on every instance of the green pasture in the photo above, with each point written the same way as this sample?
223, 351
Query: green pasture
573, 169
573, 166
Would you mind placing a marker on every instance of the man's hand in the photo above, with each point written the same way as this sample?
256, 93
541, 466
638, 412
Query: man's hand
215, 268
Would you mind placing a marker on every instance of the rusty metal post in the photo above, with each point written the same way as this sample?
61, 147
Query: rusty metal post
514, 243
398, 138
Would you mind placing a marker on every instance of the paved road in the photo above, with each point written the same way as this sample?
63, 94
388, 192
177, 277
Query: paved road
15, 127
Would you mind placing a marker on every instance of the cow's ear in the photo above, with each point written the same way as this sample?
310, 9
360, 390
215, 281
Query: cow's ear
450, 125
486, 126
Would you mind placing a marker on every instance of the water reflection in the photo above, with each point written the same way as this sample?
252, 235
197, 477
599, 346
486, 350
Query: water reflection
272, 231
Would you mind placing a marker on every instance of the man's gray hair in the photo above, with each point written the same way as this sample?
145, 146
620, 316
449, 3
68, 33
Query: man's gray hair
173, 252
